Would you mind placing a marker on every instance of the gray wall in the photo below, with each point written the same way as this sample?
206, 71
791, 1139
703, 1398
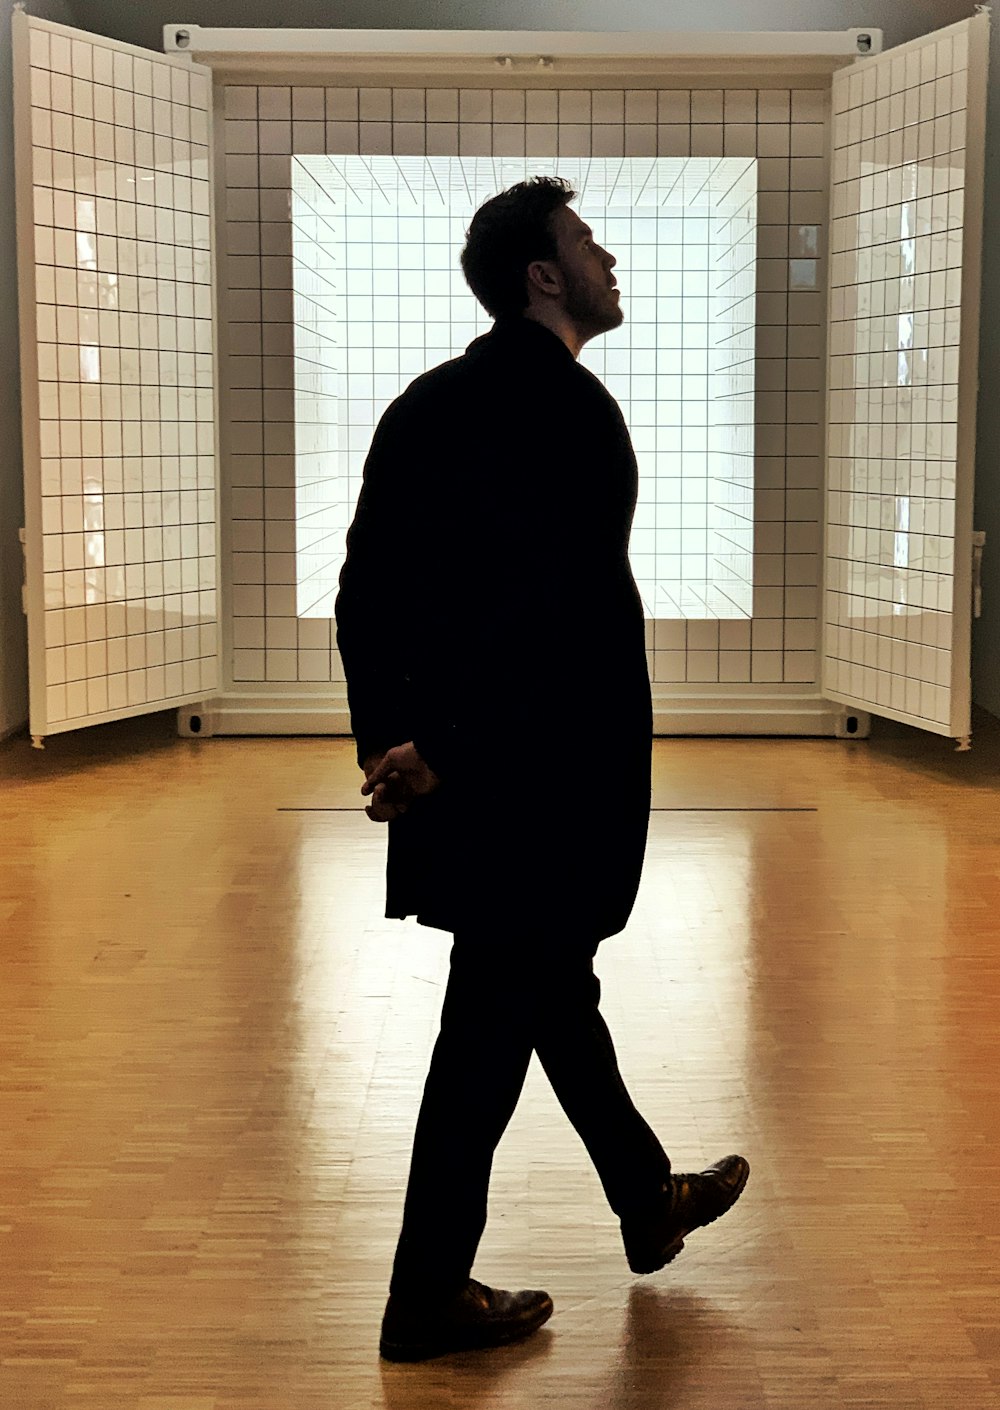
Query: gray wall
142, 24
13, 658
901, 19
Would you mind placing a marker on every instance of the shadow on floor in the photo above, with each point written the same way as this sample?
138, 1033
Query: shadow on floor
935, 757
673, 1348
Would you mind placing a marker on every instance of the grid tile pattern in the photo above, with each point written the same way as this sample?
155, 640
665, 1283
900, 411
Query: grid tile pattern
731, 387
784, 129
899, 134
122, 272
374, 243
328, 384
669, 222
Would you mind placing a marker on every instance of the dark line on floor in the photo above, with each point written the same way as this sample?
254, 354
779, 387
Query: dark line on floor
652, 810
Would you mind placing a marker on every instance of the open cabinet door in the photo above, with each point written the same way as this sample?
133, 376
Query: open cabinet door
118, 376
906, 218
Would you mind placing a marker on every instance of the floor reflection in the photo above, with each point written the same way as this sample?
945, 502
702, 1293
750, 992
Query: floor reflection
676, 1347
466, 1378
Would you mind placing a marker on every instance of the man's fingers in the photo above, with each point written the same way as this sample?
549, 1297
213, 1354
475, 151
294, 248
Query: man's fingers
385, 768
378, 778
384, 812
386, 803
394, 792
403, 771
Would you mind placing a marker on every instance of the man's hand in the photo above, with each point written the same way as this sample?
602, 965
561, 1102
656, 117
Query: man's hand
394, 779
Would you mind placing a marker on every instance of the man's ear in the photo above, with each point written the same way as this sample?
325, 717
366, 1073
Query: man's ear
545, 277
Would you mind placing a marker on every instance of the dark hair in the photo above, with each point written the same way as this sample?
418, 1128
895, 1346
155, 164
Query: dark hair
507, 232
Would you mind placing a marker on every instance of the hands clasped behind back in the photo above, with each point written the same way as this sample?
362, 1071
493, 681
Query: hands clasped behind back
394, 780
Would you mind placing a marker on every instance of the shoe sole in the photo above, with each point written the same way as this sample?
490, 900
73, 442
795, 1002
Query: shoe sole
674, 1247
484, 1341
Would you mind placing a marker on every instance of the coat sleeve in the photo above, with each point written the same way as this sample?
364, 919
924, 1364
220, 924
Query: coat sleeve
382, 597
372, 634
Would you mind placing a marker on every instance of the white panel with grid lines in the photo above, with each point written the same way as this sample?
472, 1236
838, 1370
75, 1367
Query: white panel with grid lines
118, 376
374, 240
903, 336
273, 649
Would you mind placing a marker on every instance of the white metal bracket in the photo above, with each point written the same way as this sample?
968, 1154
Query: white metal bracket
544, 47
195, 721
853, 724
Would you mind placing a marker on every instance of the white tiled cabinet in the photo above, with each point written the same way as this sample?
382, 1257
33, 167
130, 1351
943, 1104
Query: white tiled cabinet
733, 209
118, 377
905, 224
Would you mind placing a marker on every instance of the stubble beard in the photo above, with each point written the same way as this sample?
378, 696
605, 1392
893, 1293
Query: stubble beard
593, 311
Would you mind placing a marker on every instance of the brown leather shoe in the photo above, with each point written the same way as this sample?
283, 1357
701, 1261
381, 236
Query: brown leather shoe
478, 1317
691, 1202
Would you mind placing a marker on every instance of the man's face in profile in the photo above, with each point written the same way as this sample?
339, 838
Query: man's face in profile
591, 297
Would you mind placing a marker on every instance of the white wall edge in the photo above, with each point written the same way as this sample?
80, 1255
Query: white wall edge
764, 711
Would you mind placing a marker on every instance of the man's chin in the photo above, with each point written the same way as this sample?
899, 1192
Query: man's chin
614, 319
604, 321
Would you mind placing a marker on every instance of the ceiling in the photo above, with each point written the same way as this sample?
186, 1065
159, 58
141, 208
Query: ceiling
142, 21
721, 185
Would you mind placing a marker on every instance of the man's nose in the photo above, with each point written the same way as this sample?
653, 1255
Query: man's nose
609, 259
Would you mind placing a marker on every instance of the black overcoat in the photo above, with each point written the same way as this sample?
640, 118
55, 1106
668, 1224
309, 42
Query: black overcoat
487, 611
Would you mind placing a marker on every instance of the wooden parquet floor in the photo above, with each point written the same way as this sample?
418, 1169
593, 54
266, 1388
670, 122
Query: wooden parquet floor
212, 1047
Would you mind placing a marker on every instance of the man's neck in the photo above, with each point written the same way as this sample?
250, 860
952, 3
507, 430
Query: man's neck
558, 322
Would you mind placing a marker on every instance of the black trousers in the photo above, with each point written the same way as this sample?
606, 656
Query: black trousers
506, 998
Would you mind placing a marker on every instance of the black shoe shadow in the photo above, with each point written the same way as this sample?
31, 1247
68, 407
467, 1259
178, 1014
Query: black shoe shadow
461, 1377
677, 1349
677, 1345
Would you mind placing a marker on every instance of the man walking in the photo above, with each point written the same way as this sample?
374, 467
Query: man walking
493, 642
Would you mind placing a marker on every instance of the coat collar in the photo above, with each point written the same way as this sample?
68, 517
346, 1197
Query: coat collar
526, 335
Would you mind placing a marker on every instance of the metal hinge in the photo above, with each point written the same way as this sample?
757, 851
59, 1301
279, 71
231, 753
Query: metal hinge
978, 544
23, 538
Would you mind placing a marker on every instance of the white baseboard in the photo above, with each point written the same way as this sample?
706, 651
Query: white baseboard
677, 710
754, 710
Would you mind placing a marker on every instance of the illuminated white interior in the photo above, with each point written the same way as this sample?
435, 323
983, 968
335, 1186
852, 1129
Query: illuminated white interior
379, 297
